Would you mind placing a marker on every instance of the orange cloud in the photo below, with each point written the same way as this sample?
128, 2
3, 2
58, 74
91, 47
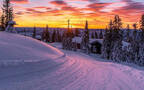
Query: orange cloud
20, 1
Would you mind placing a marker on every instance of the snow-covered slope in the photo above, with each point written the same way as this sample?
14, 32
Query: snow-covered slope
17, 48
73, 71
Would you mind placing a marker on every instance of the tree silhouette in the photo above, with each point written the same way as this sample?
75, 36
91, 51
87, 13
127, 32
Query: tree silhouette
34, 32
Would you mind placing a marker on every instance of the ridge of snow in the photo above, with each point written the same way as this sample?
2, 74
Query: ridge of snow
15, 49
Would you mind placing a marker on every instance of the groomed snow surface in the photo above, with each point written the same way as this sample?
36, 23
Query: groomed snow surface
43, 67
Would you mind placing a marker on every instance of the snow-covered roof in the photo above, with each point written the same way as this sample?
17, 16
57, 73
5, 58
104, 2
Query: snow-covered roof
77, 39
96, 40
38, 36
18, 48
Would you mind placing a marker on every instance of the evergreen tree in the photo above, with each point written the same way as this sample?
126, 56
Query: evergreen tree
96, 36
7, 13
67, 38
141, 42
47, 34
135, 31
101, 35
107, 42
128, 33
34, 32
54, 36
24, 32
2, 23
43, 35
59, 38
77, 32
92, 35
134, 46
85, 39
117, 39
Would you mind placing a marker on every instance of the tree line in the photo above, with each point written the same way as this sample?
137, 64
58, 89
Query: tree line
113, 42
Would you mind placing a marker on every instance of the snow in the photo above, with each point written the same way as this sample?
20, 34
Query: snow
77, 39
18, 49
96, 40
38, 37
58, 71
125, 44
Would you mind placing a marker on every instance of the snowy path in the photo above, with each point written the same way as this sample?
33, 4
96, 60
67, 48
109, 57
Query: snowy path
76, 72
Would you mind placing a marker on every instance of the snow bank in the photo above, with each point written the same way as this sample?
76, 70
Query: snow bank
15, 49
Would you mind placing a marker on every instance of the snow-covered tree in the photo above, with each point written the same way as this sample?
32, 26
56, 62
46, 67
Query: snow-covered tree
2, 22
45, 34
141, 43
134, 46
85, 39
117, 39
67, 38
127, 36
107, 44
135, 31
7, 13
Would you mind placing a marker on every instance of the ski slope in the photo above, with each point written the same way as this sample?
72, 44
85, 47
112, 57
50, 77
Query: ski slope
47, 68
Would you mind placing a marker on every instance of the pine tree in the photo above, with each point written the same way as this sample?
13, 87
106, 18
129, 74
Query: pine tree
101, 35
128, 33
135, 31
24, 32
59, 38
2, 23
7, 13
85, 39
141, 42
67, 38
34, 32
54, 36
96, 36
77, 32
134, 46
117, 40
43, 35
107, 42
47, 34
92, 35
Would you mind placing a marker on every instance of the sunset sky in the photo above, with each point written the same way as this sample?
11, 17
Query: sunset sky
55, 13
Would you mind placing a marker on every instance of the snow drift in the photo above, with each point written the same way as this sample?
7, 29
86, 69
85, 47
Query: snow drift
17, 49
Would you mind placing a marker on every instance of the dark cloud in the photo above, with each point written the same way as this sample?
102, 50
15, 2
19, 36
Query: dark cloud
97, 6
58, 3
